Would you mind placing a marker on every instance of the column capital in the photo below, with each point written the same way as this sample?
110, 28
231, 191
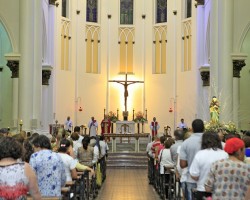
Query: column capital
200, 2
14, 68
13, 63
238, 63
46, 72
205, 75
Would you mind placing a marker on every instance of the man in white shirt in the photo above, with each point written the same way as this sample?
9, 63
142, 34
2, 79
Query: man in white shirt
182, 124
68, 124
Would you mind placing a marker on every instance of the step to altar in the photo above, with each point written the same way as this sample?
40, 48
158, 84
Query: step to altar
127, 160
128, 145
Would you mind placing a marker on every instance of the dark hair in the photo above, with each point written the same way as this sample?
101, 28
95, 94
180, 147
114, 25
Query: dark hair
28, 150
64, 145
162, 139
10, 148
198, 126
211, 140
85, 142
42, 141
246, 140
74, 136
231, 135
168, 142
101, 137
77, 129
179, 134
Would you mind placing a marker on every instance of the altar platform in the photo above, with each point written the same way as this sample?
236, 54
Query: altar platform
128, 142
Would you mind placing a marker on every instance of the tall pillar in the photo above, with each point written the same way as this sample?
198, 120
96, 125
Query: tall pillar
238, 64
37, 75
26, 69
225, 72
1, 101
46, 105
214, 46
13, 64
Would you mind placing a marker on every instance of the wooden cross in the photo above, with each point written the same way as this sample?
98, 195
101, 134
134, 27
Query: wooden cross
126, 83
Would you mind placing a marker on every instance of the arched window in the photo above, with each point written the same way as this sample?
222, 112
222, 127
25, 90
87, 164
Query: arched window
92, 49
65, 43
160, 49
126, 42
92, 11
126, 11
161, 11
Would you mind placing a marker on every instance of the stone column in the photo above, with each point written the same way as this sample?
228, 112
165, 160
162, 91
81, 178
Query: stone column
30, 80
37, 67
13, 64
225, 48
46, 101
238, 64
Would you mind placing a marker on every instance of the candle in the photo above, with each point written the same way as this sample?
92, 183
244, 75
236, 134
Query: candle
21, 122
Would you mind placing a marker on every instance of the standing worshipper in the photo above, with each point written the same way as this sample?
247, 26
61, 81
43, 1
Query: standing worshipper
211, 151
16, 178
188, 150
229, 178
68, 124
93, 126
48, 166
154, 126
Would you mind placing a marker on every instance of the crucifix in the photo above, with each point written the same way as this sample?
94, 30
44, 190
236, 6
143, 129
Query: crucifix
126, 83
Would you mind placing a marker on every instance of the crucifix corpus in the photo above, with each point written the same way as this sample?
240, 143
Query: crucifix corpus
125, 83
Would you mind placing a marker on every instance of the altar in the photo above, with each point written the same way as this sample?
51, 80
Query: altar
125, 127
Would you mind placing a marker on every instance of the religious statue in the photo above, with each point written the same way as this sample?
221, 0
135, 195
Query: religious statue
214, 110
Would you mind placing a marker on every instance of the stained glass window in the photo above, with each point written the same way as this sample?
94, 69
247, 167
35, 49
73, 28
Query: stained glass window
126, 11
188, 8
161, 11
92, 10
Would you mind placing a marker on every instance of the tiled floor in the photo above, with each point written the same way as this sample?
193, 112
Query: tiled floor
127, 184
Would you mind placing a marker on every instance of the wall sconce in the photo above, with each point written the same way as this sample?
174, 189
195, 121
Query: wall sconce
79, 103
171, 105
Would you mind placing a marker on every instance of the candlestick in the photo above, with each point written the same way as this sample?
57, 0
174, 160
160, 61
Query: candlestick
146, 114
117, 114
21, 122
104, 113
133, 113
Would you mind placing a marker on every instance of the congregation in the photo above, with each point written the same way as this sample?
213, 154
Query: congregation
199, 164
67, 166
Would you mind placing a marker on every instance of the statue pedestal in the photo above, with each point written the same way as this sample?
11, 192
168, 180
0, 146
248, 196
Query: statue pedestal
125, 127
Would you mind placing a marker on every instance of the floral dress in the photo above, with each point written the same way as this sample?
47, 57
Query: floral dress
13, 182
50, 172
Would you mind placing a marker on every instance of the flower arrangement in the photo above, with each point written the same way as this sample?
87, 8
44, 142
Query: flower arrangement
112, 116
139, 117
216, 127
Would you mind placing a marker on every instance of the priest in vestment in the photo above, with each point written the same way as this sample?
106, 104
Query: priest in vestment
154, 126
93, 126
105, 125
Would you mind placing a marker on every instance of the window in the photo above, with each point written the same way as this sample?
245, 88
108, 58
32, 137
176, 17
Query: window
161, 11
65, 44
126, 42
160, 49
187, 45
126, 11
92, 11
92, 48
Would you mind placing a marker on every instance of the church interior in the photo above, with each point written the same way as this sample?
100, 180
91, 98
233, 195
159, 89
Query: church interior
132, 59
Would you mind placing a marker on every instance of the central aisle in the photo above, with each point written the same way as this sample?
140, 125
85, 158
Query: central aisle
127, 184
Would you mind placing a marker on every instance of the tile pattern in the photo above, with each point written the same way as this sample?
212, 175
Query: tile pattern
127, 184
